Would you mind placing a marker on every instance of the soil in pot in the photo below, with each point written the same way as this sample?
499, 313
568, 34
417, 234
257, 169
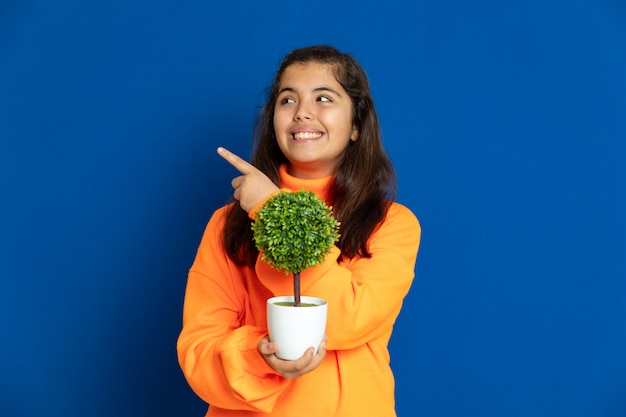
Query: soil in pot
291, 304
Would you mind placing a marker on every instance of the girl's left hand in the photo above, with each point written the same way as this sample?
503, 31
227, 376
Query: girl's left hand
292, 369
253, 186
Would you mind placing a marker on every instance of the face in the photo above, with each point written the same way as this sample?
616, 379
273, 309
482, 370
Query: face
312, 119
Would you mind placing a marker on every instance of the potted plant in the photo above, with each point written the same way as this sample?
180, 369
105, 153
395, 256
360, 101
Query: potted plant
293, 231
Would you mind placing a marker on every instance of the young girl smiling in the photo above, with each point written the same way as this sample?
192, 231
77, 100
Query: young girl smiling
318, 131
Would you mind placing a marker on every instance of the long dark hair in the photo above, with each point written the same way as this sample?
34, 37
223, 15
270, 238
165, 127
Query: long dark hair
365, 181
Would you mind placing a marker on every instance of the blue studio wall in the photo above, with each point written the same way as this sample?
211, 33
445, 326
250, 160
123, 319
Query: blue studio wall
505, 120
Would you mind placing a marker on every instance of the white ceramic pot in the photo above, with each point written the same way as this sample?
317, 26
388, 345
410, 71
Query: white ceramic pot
295, 329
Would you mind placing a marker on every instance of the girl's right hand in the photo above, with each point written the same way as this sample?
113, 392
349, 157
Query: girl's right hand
253, 186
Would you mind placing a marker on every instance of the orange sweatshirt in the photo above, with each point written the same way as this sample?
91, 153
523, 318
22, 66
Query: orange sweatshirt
224, 319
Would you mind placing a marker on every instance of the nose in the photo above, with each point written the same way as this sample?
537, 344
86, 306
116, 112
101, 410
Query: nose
303, 112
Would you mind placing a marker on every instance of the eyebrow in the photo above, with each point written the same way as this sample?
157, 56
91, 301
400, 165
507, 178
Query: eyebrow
316, 90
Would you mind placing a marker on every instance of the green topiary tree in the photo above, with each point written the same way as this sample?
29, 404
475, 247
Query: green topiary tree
293, 231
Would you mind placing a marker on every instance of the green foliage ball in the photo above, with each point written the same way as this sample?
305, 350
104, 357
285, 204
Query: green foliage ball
294, 230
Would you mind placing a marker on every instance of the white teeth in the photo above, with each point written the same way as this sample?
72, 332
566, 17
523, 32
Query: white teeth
306, 135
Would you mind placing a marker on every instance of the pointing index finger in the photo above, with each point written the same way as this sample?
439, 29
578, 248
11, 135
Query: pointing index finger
240, 164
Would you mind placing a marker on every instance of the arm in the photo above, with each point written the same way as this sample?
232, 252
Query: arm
364, 294
217, 352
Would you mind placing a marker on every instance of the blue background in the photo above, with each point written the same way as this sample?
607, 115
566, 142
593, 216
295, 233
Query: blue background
505, 121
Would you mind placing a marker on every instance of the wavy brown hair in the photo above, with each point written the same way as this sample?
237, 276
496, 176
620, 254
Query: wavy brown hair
365, 181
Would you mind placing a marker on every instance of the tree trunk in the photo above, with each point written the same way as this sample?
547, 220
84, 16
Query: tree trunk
296, 289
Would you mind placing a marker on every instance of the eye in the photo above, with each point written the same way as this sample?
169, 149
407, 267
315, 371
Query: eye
324, 99
286, 100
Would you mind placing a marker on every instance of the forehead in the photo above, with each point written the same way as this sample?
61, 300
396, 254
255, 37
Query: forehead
313, 74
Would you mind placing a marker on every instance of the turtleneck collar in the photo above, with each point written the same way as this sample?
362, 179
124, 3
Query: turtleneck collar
320, 186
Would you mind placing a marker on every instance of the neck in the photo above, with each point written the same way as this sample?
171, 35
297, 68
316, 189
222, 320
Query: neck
309, 172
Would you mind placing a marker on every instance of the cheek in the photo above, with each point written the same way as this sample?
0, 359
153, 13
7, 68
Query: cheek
343, 123
342, 119
279, 122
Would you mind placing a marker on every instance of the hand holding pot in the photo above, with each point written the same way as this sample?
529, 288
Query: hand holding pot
292, 369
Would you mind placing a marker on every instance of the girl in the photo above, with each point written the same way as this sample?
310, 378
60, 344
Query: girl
318, 130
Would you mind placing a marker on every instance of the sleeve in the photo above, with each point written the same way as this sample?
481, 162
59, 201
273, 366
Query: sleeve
217, 353
364, 294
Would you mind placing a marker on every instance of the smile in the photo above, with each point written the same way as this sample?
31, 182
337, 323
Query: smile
307, 135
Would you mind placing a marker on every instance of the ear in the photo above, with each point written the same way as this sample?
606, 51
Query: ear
355, 134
